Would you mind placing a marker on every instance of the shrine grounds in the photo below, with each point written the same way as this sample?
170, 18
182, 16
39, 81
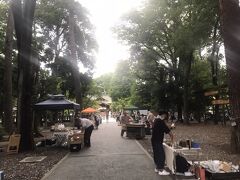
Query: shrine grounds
214, 140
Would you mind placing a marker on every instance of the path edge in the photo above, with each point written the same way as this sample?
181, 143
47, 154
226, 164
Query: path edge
142, 148
55, 167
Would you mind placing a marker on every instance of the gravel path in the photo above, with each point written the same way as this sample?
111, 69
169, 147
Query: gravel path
14, 170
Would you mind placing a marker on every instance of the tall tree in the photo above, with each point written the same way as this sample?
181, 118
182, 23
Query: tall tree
8, 107
166, 34
68, 36
3, 24
230, 14
214, 62
23, 13
73, 53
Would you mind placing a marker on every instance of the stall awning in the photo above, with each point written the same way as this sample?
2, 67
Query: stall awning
131, 108
56, 102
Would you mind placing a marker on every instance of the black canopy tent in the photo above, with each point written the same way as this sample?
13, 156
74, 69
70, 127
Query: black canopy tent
56, 103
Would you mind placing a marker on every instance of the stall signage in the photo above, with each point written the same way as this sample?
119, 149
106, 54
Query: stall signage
210, 93
220, 101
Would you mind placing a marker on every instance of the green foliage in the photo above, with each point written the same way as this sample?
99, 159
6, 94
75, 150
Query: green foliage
200, 80
162, 35
3, 23
104, 83
121, 103
52, 44
48, 85
93, 92
121, 81
52, 18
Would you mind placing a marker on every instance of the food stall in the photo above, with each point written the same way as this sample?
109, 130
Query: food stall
135, 130
171, 152
56, 104
211, 169
62, 136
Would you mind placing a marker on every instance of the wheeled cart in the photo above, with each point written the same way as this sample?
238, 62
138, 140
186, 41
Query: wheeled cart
75, 140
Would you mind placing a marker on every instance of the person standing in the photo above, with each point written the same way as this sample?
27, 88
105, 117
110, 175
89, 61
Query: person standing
150, 118
87, 125
96, 121
125, 119
138, 117
159, 129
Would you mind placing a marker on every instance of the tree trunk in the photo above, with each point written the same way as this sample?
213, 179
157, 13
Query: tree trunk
214, 68
7, 82
23, 18
188, 58
230, 15
179, 111
73, 57
35, 76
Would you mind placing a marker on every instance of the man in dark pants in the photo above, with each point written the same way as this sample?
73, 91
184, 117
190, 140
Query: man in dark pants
87, 125
159, 128
125, 119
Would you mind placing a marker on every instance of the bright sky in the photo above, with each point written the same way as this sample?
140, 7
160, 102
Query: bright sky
105, 14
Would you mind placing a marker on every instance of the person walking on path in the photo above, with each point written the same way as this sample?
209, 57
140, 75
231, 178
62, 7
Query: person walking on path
125, 119
159, 129
88, 126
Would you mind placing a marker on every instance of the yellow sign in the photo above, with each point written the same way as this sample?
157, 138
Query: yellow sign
220, 102
210, 93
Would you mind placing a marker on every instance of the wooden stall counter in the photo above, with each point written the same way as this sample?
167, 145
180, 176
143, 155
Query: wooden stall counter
135, 130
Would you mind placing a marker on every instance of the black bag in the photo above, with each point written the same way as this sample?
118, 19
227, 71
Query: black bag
181, 164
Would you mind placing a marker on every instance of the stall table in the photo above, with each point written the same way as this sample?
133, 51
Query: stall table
231, 172
222, 176
61, 138
135, 130
170, 154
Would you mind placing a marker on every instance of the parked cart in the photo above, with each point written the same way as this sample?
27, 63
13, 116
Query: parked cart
75, 140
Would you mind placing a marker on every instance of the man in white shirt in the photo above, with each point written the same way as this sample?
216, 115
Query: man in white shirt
87, 125
125, 119
150, 118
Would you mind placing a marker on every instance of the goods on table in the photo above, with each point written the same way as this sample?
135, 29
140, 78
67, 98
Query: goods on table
219, 170
59, 128
75, 140
217, 166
